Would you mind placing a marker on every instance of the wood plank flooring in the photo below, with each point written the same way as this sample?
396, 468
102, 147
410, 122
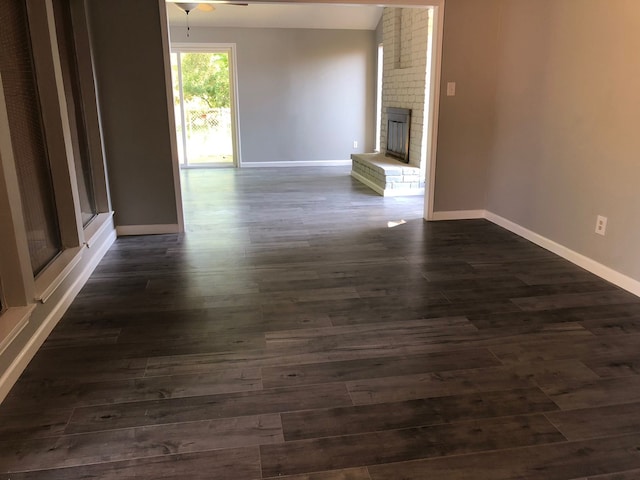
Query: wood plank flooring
294, 332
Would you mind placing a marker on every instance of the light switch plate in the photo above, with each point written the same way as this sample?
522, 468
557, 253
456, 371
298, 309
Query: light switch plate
451, 89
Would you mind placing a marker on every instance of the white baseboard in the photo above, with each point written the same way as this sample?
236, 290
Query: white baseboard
12, 322
12, 373
299, 163
125, 230
459, 215
400, 192
623, 281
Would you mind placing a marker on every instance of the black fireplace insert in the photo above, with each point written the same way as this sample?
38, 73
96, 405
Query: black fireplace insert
398, 126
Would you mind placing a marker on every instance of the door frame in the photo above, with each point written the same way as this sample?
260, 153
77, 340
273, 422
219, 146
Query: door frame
434, 104
230, 49
434, 90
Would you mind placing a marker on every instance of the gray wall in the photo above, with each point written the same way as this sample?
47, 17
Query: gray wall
566, 143
126, 40
543, 130
303, 94
465, 129
379, 31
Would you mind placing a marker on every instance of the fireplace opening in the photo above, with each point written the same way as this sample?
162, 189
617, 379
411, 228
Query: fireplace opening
398, 126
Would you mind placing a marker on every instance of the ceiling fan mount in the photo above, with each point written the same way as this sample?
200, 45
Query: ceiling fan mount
187, 7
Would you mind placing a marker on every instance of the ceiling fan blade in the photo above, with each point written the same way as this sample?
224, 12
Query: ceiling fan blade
206, 7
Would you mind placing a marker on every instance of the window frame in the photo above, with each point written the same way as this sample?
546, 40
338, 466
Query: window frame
15, 264
21, 290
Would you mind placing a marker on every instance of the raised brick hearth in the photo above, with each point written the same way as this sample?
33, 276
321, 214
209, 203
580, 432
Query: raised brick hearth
404, 87
385, 175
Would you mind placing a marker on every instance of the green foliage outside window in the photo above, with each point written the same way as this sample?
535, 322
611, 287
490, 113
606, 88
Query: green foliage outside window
205, 76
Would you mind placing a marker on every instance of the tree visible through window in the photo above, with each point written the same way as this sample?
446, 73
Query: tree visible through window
202, 91
205, 77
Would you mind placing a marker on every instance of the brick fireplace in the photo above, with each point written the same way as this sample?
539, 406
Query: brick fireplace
386, 175
400, 170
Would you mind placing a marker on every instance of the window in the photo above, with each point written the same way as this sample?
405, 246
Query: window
28, 137
54, 199
77, 120
51, 148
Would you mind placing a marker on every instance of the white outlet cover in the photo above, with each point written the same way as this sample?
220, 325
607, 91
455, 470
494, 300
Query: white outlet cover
601, 225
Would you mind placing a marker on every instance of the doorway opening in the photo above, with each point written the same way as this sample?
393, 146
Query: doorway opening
379, 78
204, 104
215, 28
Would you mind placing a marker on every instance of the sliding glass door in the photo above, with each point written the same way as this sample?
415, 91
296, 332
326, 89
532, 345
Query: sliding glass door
203, 107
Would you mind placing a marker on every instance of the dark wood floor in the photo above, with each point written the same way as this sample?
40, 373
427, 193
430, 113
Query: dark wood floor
293, 333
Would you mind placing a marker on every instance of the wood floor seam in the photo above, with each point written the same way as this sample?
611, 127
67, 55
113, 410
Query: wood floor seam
106, 462
289, 333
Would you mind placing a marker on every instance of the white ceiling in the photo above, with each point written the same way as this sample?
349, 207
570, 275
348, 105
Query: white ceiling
254, 15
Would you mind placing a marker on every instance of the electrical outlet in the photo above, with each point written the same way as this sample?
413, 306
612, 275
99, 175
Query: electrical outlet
355, 144
601, 225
